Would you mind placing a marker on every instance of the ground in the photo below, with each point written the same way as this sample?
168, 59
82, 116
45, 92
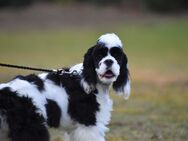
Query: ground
157, 52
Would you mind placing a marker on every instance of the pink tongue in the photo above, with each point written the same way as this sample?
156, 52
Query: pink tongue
108, 75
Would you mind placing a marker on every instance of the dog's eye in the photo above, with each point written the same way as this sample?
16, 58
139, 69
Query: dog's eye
116, 52
99, 54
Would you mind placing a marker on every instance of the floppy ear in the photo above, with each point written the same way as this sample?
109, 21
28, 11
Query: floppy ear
89, 74
122, 84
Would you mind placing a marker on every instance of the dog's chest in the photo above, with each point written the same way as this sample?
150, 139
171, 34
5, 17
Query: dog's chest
103, 116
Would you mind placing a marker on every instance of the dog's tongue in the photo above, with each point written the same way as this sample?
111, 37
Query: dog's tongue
108, 74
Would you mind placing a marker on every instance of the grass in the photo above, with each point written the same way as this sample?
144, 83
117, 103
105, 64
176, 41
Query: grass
149, 116
157, 108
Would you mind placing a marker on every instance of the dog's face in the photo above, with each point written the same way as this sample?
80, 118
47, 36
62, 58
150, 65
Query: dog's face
106, 63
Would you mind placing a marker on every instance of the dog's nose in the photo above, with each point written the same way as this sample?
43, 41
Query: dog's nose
108, 62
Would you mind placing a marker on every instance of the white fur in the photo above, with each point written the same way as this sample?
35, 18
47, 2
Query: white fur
43, 75
87, 88
115, 68
26, 89
104, 114
110, 40
59, 95
86, 133
78, 68
125, 91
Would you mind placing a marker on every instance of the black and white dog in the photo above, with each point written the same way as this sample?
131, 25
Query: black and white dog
78, 103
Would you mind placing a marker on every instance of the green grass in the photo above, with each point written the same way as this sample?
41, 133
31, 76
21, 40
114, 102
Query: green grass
158, 55
151, 116
158, 46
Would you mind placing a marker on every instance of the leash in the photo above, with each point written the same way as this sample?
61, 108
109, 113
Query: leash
57, 71
25, 68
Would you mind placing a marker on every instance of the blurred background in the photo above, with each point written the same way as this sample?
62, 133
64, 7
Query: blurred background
57, 33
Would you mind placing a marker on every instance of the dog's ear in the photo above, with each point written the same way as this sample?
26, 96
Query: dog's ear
122, 84
89, 74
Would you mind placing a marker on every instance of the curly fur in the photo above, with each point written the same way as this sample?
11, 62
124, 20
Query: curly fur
78, 102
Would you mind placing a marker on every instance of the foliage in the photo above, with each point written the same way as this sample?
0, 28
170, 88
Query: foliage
155, 5
18, 3
15, 3
102, 1
166, 5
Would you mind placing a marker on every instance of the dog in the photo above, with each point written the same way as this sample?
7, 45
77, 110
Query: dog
76, 100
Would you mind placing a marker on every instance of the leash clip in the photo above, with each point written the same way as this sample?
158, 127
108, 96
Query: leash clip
62, 71
74, 73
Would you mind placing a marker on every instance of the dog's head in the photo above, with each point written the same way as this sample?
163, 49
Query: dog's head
106, 63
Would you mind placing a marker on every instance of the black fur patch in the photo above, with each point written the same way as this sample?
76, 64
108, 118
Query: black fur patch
82, 107
91, 62
33, 79
124, 74
24, 123
117, 53
99, 53
89, 73
54, 77
53, 113
66, 69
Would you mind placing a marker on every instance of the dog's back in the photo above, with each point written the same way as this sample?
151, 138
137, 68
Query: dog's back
19, 117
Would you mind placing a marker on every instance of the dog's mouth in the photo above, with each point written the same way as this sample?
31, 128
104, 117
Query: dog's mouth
108, 74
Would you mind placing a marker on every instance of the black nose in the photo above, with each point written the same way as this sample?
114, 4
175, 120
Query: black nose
108, 62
